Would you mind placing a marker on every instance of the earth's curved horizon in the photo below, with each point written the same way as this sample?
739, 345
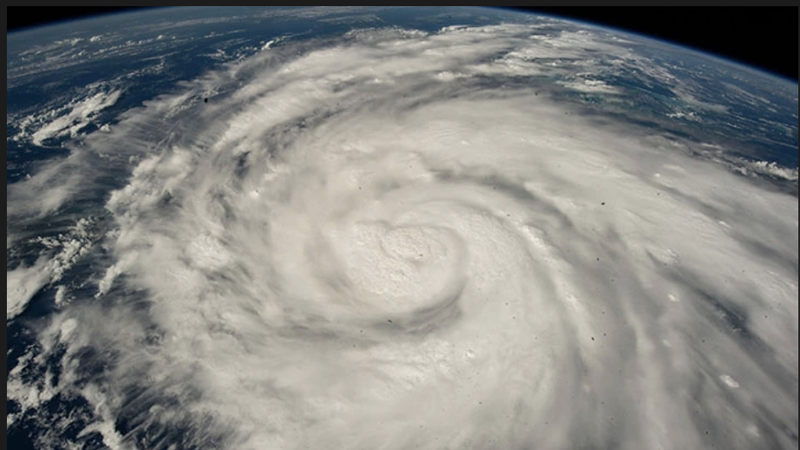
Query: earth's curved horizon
395, 228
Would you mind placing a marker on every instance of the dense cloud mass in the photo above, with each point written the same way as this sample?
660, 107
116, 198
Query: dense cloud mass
371, 242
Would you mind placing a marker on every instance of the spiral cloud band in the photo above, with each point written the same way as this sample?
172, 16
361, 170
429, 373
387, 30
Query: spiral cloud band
373, 243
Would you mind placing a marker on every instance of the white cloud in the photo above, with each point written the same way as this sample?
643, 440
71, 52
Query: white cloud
22, 283
318, 252
59, 255
77, 118
773, 169
591, 87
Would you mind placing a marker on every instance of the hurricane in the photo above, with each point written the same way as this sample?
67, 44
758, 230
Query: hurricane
395, 239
